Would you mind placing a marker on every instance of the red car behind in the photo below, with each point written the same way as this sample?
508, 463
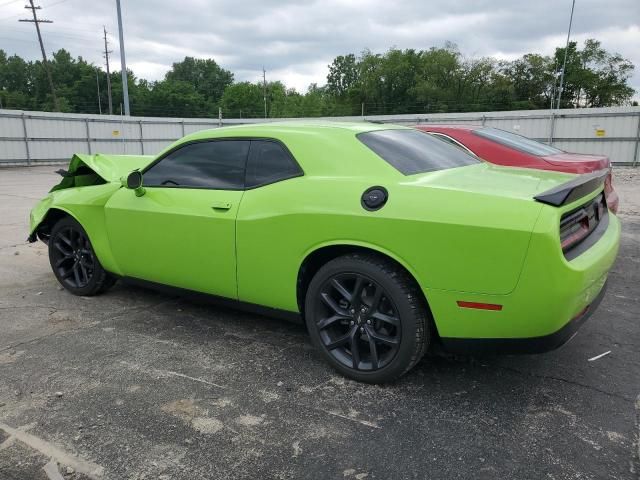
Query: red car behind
506, 148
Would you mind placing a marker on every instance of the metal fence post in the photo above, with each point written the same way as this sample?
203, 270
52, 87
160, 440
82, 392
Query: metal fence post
552, 122
86, 126
182, 124
637, 147
219, 117
141, 137
484, 120
26, 139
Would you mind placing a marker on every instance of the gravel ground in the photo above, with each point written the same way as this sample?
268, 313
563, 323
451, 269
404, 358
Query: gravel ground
626, 180
139, 385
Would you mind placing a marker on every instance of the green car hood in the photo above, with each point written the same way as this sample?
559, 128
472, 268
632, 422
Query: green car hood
484, 178
84, 169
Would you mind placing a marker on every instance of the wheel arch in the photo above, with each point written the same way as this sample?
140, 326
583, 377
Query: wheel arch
100, 243
316, 257
42, 230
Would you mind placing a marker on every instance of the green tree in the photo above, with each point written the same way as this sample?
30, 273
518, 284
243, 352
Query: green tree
438, 79
206, 76
594, 77
243, 100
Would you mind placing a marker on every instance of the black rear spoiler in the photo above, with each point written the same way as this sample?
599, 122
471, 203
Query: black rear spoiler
573, 189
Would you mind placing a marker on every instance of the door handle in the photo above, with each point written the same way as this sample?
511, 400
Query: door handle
221, 205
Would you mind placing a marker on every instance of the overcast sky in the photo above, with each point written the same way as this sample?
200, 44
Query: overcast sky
296, 40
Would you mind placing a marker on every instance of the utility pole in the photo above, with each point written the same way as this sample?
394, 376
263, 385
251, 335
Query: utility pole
98, 85
37, 23
264, 90
106, 57
123, 63
555, 79
566, 50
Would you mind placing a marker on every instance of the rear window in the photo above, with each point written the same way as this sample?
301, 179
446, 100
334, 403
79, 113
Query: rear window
518, 142
411, 151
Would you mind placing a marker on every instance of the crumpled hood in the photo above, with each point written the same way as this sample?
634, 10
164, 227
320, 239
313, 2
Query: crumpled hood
110, 167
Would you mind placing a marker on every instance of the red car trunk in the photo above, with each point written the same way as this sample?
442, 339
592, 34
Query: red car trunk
509, 149
579, 163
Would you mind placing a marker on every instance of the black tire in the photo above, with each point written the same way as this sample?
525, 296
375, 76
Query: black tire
382, 317
73, 261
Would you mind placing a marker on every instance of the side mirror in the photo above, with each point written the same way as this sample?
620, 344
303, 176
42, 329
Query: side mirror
134, 182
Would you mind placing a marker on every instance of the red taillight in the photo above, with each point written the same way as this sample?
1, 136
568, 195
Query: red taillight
577, 225
579, 231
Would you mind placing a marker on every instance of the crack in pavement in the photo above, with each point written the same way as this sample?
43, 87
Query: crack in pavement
167, 373
565, 380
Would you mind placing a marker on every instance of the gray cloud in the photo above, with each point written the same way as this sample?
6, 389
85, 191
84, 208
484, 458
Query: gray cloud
295, 40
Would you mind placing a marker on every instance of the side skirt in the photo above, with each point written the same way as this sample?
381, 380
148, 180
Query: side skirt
215, 300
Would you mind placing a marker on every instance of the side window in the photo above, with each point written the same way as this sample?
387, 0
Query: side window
216, 165
269, 162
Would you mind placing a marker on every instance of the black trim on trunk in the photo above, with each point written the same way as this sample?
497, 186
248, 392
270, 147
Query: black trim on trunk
215, 299
515, 346
573, 189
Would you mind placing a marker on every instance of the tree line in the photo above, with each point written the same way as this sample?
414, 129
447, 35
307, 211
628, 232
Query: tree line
439, 79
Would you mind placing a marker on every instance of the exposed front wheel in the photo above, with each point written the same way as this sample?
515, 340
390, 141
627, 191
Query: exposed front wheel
367, 317
73, 261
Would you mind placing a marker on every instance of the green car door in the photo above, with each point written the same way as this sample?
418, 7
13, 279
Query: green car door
181, 230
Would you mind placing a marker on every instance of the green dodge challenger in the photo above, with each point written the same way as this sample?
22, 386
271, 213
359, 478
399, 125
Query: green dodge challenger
382, 238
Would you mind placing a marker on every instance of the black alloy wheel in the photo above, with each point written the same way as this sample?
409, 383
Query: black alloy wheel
357, 322
73, 260
367, 317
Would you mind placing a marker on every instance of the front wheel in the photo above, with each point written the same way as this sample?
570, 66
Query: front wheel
367, 317
73, 260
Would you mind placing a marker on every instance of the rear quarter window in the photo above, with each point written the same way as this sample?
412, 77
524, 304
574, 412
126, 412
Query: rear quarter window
269, 162
411, 151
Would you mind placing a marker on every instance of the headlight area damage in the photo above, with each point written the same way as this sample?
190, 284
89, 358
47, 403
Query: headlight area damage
86, 170
83, 171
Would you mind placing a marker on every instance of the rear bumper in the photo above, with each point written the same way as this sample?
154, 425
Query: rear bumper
530, 345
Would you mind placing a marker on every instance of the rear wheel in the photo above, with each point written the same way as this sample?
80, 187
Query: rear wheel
367, 317
73, 260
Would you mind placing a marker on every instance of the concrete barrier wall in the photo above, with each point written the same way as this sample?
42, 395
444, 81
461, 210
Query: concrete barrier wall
43, 137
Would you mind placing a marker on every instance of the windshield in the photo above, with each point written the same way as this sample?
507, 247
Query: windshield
411, 151
518, 142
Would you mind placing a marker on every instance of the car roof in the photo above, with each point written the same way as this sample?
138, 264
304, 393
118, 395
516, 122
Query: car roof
267, 128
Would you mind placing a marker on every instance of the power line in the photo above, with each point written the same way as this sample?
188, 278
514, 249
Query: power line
106, 56
37, 23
